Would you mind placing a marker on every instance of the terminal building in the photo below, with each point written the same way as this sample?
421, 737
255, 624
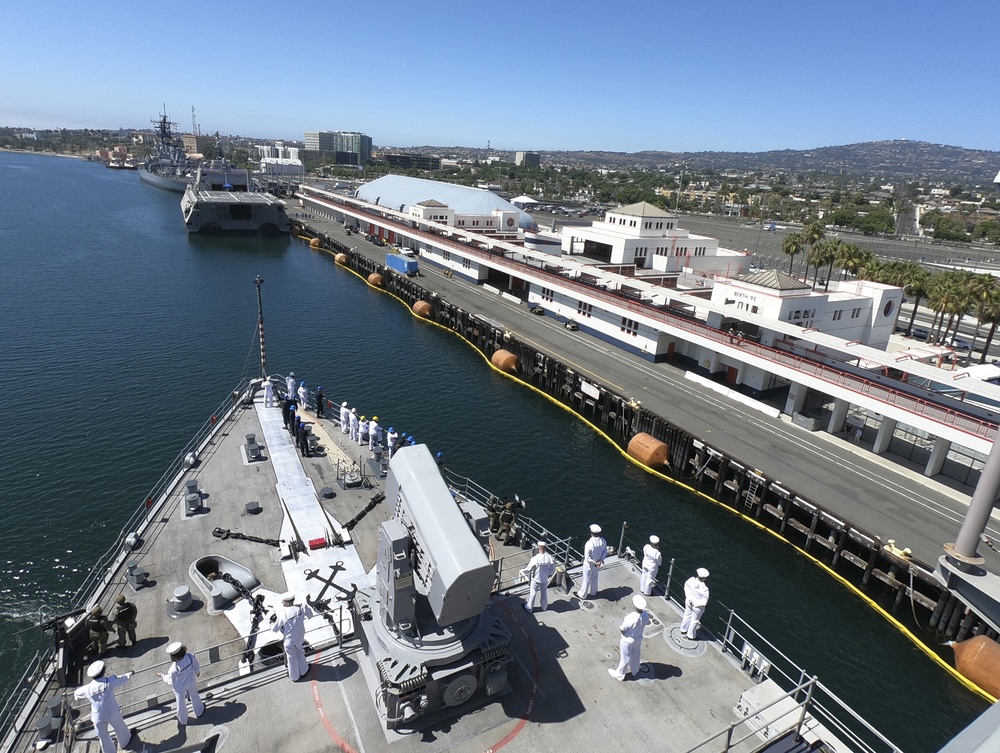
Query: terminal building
636, 280
350, 147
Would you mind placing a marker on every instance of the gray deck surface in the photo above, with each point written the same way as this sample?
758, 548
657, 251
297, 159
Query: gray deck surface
887, 496
561, 697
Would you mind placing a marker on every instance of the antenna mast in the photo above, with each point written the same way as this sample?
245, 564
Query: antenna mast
258, 281
194, 124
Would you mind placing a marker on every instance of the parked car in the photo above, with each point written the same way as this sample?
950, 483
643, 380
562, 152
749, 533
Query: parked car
537, 310
920, 333
960, 343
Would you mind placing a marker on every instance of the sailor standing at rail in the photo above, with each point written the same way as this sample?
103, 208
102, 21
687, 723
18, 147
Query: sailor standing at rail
303, 395
594, 554
290, 622
290, 384
320, 402
355, 424
363, 431
104, 709
695, 601
651, 559
391, 439
345, 418
183, 678
630, 644
539, 570
268, 393
374, 433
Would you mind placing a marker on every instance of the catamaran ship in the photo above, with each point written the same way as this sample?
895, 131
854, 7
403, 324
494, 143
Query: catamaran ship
223, 199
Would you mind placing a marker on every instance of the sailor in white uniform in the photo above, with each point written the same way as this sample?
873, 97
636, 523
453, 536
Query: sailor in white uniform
268, 393
363, 431
303, 396
539, 570
290, 384
695, 601
183, 678
374, 433
355, 424
651, 560
594, 553
104, 710
391, 439
345, 418
291, 618
631, 641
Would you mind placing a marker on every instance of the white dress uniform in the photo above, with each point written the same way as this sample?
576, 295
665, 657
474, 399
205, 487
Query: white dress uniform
183, 678
362, 432
540, 570
268, 393
374, 434
695, 601
651, 560
290, 384
391, 439
104, 710
630, 644
291, 624
355, 424
345, 418
303, 396
594, 554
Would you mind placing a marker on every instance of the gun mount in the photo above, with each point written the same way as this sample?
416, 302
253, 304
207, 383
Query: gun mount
430, 635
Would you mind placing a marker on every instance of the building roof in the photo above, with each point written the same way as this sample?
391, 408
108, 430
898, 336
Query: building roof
431, 203
399, 191
773, 279
642, 209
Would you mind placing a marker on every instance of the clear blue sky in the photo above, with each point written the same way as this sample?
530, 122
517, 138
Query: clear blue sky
684, 75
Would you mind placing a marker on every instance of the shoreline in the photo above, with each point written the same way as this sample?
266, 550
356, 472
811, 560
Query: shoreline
65, 155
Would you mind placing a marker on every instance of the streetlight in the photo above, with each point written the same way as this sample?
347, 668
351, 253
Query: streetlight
761, 228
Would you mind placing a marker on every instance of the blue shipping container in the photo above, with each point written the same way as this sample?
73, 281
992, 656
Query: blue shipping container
405, 265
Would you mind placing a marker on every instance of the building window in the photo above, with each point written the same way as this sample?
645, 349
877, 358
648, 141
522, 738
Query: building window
585, 309
547, 294
641, 251
630, 327
659, 226
837, 314
447, 255
753, 309
467, 263
855, 313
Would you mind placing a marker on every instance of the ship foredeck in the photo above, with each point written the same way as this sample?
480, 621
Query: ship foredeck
560, 694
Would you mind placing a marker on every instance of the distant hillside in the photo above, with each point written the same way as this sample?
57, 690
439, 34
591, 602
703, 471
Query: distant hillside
900, 160
888, 160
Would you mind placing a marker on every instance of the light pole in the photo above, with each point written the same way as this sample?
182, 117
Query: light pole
761, 228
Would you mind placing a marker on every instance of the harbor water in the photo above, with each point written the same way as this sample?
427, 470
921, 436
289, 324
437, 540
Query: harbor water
122, 335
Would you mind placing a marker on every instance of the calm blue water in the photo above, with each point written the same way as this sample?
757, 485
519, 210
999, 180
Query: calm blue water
121, 335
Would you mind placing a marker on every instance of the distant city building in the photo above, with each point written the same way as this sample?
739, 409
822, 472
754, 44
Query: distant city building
408, 161
527, 159
199, 144
350, 147
277, 150
282, 169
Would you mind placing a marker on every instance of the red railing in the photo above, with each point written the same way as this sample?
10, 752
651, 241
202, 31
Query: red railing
977, 427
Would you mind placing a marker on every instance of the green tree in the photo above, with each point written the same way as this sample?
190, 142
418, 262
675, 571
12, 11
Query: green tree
792, 245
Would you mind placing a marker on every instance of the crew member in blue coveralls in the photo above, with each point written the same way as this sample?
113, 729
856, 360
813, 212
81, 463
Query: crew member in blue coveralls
320, 402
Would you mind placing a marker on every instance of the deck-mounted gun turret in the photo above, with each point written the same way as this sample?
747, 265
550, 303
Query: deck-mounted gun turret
428, 631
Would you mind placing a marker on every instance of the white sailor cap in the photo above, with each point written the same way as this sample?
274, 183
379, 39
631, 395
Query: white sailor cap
595, 528
354, 410
541, 544
174, 648
654, 540
95, 670
343, 404
702, 573
638, 602
288, 596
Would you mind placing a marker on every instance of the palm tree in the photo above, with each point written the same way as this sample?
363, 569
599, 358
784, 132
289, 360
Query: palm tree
792, 244
820, 254
984, 291
836, 256
812, 234
916, 281
989, 314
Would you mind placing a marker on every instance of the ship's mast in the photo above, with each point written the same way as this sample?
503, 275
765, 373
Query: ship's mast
258, 281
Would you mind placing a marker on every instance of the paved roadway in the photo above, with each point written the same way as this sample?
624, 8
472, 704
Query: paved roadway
874, 493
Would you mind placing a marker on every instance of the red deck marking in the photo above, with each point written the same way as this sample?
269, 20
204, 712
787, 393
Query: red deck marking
502, 742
